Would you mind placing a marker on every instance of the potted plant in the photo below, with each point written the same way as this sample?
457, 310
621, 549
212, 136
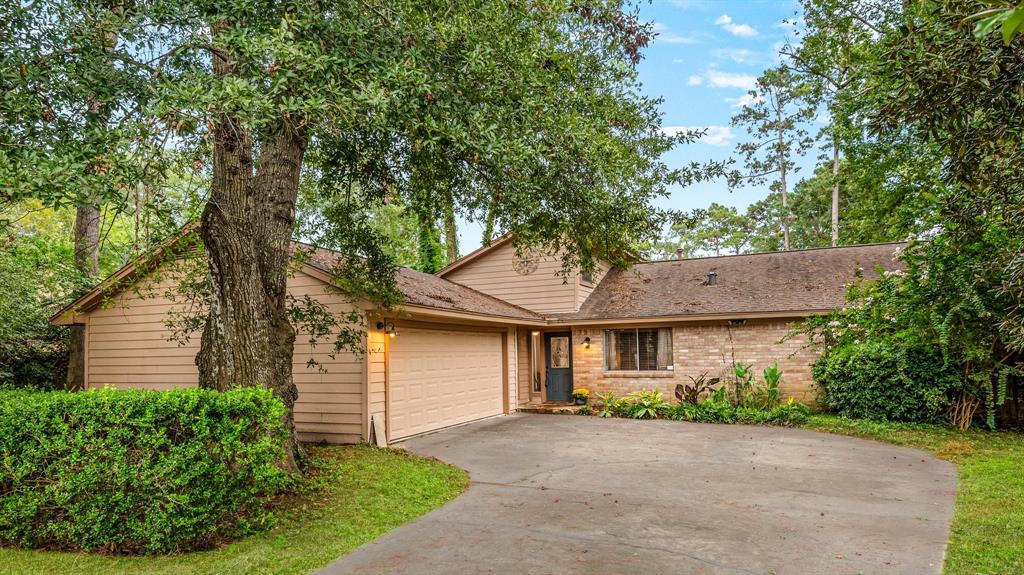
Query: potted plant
580, 395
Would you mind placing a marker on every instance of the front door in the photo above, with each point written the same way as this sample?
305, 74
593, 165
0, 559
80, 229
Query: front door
558, 361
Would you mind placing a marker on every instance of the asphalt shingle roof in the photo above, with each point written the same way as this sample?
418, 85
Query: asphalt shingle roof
796, 281
419, 288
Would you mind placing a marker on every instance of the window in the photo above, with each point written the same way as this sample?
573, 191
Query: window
587, 277
647, 349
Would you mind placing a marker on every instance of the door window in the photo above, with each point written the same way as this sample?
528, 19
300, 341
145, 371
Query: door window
559, 352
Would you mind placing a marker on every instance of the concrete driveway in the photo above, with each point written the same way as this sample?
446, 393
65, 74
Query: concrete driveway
557, 494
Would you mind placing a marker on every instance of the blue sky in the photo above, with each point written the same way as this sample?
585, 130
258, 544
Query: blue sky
706, 56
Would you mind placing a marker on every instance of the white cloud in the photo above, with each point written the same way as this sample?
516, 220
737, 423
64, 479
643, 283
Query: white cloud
658, 27
714, 136
672, 38
727, 24
744, 100
740, 55
694, 80
729, 80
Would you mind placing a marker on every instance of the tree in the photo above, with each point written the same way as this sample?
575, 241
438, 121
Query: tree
66, 132
775, 117
532, 110
962, 293
705, 231
829, 55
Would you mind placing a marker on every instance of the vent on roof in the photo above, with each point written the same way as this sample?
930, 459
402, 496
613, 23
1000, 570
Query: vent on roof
680, 253
712, 278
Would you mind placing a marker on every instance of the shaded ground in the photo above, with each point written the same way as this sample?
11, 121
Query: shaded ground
560, 494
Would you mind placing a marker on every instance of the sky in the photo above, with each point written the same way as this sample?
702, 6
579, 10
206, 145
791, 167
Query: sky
706, 56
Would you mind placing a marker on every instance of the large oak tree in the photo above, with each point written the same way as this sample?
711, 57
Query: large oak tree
521, 113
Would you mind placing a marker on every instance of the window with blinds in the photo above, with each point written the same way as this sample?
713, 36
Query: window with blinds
647, 349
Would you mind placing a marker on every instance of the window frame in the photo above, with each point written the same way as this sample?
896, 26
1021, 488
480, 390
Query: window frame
669, 367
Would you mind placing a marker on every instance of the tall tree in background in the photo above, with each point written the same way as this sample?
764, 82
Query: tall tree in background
780, 106
830, 54
708, 231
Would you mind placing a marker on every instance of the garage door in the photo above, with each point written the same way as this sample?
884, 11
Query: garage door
442, 378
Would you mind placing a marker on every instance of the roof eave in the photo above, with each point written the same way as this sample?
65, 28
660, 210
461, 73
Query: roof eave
693, 317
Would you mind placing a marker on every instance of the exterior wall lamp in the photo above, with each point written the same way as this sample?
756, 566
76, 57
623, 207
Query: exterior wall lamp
387, 327
586, 343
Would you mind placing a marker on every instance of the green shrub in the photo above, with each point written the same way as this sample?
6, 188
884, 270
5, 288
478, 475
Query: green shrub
886, 381
137, 471
641, 404
707, 411
607, 405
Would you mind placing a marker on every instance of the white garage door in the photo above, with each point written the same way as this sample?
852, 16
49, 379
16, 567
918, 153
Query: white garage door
442, 378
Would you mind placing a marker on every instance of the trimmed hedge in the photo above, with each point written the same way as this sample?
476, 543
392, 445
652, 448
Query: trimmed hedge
137, 471
886, 381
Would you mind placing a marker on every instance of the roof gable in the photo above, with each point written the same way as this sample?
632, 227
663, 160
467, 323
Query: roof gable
473, 255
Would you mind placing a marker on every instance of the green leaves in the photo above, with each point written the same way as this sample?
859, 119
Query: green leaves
137, 471
1009, 20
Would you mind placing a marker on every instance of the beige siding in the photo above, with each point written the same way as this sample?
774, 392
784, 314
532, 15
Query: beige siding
543, 291
584, 289
128, 348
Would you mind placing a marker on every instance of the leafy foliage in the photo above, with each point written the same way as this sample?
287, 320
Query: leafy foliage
740, 400
692, 393
607, 405
36, 275
944, 309
137, 471
643, 404
887, 381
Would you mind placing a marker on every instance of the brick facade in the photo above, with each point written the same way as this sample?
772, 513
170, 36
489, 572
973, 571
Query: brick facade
698, 348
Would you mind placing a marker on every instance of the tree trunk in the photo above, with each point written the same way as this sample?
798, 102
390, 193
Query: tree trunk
835, 191
87, 232
451, 235
489, 223
784, 190
87, 261
247, 226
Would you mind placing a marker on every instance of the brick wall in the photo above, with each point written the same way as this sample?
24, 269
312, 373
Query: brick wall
699, 348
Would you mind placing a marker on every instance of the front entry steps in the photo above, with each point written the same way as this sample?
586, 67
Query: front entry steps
560, 407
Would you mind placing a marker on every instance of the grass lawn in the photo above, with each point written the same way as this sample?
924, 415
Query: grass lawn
987, 535
356, 494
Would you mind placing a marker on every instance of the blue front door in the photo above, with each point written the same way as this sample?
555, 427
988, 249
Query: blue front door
558, 364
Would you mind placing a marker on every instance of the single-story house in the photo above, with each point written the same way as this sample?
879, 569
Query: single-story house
495, 332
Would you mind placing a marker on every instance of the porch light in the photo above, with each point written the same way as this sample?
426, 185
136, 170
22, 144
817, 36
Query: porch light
534, 332
586, 343
387, 327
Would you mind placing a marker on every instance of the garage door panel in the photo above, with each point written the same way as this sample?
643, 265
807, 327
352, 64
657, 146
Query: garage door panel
442, 378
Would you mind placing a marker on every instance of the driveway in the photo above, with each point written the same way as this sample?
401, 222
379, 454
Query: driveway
555, 494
